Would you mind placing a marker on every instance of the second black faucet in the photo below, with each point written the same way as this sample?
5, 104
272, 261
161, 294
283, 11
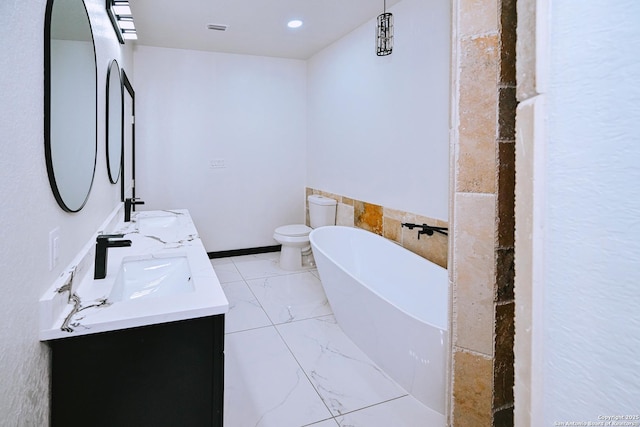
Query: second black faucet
128, 204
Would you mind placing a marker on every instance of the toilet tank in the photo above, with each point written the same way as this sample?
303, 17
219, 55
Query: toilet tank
322, 211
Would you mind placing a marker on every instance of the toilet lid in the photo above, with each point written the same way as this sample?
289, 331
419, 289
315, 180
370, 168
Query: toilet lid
294, 230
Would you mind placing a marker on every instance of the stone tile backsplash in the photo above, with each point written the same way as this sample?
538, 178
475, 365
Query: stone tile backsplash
472, 389
387, 222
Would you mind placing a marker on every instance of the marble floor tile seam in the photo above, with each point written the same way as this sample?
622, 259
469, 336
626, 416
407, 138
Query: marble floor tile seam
270, 344
266, 303
274, 323
306, 374
272, 275
273, 267
258, 300
304, 371
302, 320
384, 402
271, 256
317, 423
315, 387
232, 282
261, 306
249, 329
389, 392
335, 418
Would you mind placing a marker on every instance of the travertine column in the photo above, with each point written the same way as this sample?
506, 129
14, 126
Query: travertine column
481, 256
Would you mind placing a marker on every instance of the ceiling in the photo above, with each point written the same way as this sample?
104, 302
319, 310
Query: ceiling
255, 27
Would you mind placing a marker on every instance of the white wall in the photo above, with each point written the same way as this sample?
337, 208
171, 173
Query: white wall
591, 283
29, 210
378, 126
193, 107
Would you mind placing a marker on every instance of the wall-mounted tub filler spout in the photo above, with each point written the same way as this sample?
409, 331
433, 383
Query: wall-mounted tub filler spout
426, 229
128, 204
103, 243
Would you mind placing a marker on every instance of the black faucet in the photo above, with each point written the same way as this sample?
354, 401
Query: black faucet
128, 203
426, 229
103, 242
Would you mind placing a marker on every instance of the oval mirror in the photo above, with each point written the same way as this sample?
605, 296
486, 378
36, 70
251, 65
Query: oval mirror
115, 117
70, 102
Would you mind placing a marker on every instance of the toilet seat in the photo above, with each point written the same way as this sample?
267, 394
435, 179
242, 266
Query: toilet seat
297, 234
293, 230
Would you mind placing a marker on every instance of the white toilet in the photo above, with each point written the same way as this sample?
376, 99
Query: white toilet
295, 238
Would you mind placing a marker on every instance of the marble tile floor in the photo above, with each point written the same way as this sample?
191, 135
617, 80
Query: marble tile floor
288, 363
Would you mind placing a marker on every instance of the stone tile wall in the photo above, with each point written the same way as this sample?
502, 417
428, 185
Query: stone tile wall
482, 245
387, 223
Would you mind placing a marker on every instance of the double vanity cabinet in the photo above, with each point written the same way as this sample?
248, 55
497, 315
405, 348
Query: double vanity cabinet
144, 346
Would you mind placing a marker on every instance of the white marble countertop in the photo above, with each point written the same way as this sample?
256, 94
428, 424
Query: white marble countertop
77, 304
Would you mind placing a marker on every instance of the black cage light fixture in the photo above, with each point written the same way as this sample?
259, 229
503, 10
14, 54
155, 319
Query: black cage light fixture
384, 34
121, 18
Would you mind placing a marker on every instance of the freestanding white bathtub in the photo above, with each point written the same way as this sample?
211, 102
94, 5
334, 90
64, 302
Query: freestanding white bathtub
392, 303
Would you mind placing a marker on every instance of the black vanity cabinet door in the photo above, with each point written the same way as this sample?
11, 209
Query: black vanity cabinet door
170, 374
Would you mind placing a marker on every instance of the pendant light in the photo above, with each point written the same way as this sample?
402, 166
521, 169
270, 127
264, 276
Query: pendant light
384, 34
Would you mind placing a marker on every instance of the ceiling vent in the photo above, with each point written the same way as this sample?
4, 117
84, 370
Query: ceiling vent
217, 27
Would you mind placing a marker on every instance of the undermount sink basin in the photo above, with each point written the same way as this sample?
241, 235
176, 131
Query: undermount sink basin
156, 222
152, 277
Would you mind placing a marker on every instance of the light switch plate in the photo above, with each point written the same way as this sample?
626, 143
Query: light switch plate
217, 163
54, 247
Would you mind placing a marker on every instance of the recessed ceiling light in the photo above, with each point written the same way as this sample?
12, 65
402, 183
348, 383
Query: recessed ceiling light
295, 23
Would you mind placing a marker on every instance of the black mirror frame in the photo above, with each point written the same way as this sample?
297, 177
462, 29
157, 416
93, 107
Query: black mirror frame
126, 83
114, 67
47, 109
